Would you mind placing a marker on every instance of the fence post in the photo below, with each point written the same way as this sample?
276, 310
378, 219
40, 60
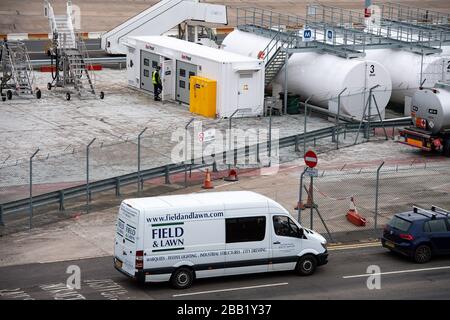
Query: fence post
166, 175
299, 204
304, 125
376, 195
229, 140
214, 165
270, 137
61, 200
139, 160
2, 224
31, 187
87, 175
337, 117
117, 187
185, 154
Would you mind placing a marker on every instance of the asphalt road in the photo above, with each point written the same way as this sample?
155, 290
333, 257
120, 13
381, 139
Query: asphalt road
344, 277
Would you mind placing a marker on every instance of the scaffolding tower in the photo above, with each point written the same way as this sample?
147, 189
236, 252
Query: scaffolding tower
17, 75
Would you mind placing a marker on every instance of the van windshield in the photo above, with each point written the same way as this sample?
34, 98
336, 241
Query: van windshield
400, 224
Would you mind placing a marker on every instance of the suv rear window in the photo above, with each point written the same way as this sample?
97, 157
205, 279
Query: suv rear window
399, 224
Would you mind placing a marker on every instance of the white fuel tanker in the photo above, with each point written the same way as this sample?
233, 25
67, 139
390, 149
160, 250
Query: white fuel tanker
430, 113
406, 68
323, 76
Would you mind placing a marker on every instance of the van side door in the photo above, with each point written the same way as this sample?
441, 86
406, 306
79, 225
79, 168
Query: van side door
247, 244
286, 243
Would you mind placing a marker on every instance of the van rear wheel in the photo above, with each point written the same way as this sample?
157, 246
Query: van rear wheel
182, 278
306, 265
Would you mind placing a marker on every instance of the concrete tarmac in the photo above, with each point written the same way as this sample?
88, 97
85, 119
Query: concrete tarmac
103, 15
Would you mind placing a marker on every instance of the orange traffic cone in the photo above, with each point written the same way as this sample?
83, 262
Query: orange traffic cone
232, 175
353, 216
207, 184
308, 203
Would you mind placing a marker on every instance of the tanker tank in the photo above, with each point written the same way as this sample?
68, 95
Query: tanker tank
323, 76
433, 106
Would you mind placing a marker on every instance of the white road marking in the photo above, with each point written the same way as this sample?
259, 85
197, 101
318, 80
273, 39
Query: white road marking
395, 272
231, 289
76, 258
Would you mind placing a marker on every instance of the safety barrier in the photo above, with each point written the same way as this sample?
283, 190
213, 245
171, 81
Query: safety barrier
115, 183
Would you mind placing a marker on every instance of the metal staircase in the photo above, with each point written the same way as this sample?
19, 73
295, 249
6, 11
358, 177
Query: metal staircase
18, 76
274, 65
70, 56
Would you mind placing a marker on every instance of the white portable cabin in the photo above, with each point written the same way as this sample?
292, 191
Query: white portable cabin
240, 79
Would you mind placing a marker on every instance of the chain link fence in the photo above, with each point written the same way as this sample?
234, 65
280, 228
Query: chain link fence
150, 148
377, 195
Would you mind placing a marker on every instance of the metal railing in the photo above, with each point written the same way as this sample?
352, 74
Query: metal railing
386, 24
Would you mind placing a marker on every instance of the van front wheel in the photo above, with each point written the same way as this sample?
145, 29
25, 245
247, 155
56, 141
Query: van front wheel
182, 278
306, 265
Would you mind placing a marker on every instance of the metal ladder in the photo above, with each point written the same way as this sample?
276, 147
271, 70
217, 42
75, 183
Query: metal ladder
18, 76
71, 55
79, 71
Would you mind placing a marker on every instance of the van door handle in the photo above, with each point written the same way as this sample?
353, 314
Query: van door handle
277, 242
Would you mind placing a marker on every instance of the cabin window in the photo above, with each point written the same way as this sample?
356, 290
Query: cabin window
245, 229
285, 227
146, 62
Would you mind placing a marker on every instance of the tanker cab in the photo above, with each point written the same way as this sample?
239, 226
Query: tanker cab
127, 259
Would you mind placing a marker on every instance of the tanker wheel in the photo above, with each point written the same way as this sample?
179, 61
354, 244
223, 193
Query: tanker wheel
447, 147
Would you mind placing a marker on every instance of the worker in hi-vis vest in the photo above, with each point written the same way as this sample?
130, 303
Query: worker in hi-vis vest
157, 85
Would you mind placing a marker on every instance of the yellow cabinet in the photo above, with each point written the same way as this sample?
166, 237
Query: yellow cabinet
203, 96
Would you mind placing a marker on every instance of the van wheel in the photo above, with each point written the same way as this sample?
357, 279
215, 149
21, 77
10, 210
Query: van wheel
306, 265
182, 278
422, 254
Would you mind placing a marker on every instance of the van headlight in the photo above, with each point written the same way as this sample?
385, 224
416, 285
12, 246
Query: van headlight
324, 245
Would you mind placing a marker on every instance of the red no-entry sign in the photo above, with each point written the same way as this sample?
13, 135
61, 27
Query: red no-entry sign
311, 159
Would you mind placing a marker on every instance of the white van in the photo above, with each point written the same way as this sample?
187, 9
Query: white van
183, 237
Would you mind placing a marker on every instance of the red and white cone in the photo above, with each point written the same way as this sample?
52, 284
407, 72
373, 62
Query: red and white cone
353, 216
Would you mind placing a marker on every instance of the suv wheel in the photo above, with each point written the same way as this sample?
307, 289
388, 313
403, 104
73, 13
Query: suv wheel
306, 265
182, 278
422, 254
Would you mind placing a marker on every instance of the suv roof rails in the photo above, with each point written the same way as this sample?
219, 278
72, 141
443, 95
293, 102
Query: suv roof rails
416, 210
440, 210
